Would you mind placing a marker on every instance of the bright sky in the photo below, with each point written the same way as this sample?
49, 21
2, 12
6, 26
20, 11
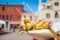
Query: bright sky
32, 3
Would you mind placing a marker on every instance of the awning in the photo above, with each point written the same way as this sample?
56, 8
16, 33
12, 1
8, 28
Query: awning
2, 22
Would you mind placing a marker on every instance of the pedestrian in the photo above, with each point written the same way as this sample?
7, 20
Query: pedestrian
13, 28
0, 27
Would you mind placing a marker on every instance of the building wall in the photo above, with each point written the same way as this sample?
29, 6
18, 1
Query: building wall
50, 7
29, 15
52, 15
10, 10
10, 14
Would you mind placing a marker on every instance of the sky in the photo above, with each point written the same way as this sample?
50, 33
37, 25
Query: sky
32, 3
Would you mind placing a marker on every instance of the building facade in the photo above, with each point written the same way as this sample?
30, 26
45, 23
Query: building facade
10, 15
29, 15
49, 10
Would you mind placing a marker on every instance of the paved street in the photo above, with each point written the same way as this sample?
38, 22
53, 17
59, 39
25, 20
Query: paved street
15, 36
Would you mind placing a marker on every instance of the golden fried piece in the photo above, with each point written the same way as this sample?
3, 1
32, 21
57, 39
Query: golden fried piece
39, 25
38, 21
25, 20
31, 25
28, 26
22, 27
46, 25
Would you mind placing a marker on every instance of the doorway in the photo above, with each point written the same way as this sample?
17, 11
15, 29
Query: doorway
2, 26
6, 24
11, 26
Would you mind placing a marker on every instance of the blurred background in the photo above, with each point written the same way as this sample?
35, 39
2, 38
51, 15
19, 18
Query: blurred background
12, 11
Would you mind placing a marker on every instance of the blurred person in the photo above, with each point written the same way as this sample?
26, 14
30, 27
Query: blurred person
14, 28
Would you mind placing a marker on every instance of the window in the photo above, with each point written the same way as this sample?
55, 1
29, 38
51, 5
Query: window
56, 4
0, 8
47, 15
56, 15
48, 7
30, 17
24, 16
19, 17
10, 8
50, 0
3, 17
0, 16
19, 8
7, 17
11, 17
3, 8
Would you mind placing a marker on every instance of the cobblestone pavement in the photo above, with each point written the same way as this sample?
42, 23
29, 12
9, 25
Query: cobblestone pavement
16, 36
